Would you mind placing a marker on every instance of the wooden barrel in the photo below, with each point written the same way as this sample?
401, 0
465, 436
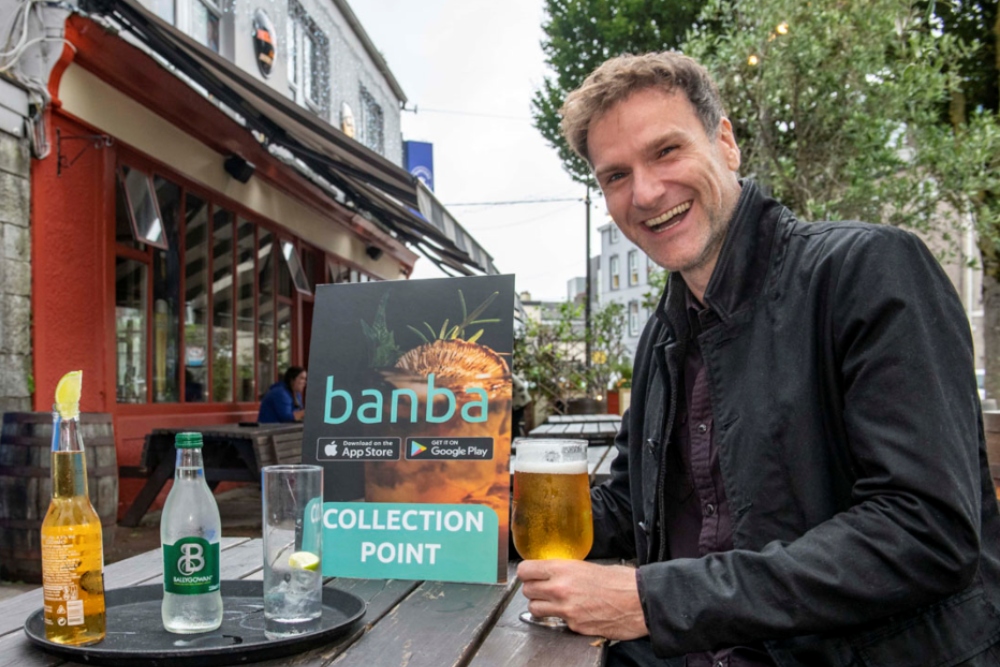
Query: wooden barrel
26, 485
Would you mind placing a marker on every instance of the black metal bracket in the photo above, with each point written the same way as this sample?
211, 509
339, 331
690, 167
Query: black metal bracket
95, 141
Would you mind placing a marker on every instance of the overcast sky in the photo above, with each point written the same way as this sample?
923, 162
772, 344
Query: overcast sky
470, 69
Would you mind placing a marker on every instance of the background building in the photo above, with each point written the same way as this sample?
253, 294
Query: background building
176, 179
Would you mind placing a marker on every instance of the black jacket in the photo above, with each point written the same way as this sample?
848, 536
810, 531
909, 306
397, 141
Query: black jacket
848, 422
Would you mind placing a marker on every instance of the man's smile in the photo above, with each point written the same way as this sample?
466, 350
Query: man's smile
668, 219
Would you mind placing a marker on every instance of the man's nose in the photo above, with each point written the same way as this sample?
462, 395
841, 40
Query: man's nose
646, 189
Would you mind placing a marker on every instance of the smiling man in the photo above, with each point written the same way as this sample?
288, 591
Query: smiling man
802, 477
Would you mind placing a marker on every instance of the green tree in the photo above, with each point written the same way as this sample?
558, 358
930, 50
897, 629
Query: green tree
824, 98
962, 150
550, 354
581, 34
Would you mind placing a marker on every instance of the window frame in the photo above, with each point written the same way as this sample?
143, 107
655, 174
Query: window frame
614, 273
633, 267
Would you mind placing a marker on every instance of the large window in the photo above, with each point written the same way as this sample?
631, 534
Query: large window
308, 57
208, 313
372, 123
614, 272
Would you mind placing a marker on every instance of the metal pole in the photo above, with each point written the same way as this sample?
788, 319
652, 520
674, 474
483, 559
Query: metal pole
586, 307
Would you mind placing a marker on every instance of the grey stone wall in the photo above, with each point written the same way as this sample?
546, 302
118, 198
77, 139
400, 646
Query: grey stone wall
15, 257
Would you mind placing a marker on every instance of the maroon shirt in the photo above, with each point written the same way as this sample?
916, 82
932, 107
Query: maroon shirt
697, 517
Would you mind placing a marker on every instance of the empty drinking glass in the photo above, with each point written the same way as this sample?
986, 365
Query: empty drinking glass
293, 549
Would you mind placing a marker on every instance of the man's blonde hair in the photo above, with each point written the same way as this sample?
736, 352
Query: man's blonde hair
618, 78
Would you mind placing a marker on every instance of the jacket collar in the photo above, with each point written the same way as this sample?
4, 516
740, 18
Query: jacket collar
741, 270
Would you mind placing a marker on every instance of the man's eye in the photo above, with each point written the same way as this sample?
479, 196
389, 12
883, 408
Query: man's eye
611, 178
667, 150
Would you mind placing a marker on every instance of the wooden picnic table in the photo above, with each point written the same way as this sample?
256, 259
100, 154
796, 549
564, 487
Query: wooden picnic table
595, 429
232, 453
413, 623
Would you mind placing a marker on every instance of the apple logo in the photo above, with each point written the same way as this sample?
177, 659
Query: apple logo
330, 450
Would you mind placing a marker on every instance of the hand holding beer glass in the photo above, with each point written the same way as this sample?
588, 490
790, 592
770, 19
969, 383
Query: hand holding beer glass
551, 515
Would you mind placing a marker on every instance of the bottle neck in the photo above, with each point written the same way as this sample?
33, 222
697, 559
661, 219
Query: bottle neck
69, 466
190, 464
66, 434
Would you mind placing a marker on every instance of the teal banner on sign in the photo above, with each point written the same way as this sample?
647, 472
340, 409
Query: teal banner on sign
410, 541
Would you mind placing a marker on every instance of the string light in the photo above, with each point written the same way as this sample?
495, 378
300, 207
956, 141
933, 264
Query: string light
782, 28
753, 60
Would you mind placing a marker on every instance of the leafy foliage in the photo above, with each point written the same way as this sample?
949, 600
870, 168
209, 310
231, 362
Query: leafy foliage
824, 97
550, 355
581, 34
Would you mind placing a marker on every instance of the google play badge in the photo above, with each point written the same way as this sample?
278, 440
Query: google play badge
416, 449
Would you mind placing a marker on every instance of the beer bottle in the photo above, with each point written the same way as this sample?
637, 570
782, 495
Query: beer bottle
190, 530
72, 552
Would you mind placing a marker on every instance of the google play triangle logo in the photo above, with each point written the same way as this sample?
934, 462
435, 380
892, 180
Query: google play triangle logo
416, 449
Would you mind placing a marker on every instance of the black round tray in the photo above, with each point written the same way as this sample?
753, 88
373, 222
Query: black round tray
136, 636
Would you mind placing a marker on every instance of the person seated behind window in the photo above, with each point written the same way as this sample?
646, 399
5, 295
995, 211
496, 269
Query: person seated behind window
283, 401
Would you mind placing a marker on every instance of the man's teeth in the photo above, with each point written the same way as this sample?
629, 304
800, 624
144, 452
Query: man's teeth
676, 210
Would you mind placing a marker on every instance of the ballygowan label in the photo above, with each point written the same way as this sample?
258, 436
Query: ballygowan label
191, 566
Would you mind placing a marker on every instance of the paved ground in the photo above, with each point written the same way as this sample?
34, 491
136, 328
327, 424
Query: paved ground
239, 508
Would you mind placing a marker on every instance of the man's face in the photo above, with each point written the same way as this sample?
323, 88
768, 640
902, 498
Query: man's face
670, 187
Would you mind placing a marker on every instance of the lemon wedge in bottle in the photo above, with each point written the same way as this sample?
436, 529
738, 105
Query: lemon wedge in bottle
304, 560
68, 394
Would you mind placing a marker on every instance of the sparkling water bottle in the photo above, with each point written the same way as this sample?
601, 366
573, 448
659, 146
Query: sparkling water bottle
190, 530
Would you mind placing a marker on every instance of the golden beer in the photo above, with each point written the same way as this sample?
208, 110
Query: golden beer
551, 515
72, 557
72, 551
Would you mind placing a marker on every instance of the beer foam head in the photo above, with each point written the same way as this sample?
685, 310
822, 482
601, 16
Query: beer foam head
553, 457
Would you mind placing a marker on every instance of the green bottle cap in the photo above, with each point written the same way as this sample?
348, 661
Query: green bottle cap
188, 441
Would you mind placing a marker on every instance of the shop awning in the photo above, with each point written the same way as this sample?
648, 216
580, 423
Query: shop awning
370, 182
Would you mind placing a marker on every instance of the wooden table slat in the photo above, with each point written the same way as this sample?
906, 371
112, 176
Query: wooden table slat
437, 625
514, 643
381, 596
129, 572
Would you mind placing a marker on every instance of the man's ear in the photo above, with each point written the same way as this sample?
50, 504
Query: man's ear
726, 143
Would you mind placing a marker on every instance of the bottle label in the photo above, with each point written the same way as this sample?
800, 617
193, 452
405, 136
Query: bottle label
191, 566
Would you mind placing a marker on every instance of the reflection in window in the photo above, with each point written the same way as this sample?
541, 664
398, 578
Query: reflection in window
265, 310
284, 349
146, 222
222, 306
130, 330
311, 261
123, 221
166, 297
196, 300
614, 271
633, 318
245, 318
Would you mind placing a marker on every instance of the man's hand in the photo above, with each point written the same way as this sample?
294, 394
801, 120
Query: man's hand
592, 599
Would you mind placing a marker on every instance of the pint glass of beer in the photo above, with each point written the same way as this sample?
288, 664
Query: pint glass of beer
551, 515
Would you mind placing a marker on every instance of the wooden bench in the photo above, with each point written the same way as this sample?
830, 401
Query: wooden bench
232, 453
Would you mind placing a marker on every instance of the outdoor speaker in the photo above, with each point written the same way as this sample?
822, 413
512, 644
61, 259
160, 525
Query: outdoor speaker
239, 168
373, 252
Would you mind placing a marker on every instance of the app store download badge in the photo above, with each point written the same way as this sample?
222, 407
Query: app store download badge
450, 449
357, 449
